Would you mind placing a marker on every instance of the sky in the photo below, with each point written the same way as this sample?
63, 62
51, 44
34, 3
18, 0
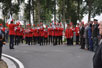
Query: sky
85, 19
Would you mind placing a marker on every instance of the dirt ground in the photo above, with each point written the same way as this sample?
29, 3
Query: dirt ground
3, 64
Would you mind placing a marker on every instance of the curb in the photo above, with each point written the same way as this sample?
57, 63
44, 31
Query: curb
12, 62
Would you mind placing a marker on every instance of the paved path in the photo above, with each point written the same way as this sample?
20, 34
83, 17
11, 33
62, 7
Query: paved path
49, 56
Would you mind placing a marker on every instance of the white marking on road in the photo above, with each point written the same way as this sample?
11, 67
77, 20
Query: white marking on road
16, 60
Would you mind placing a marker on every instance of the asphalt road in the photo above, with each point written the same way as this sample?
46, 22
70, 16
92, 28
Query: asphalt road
49, 56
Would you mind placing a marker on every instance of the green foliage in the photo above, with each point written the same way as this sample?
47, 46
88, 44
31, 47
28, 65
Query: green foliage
73, 9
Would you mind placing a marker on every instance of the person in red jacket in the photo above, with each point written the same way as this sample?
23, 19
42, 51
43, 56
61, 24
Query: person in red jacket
60, 34
11, 33
68, 34
21, 33
34, 40
46, 35
55, 35
50, 33
41, 31
30, 35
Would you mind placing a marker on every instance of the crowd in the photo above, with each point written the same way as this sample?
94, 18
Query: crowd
87, 34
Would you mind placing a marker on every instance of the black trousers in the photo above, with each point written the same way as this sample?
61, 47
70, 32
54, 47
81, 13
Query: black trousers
56, 40
11, 44
34, 40
50, 39
77, 39
68, 41
45, 41
41, 40
21, 39
60, 39
37, 40
18, 40
0, 52
26, 39
29, 40
72, 41
82, 42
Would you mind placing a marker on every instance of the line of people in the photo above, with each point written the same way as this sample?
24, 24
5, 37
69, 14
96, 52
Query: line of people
89, 35
85, 34
35, 35
40, 35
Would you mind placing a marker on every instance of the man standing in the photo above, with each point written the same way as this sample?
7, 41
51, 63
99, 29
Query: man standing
77, 34
11, 33
95, 34
97, 59
82, 39
2, 39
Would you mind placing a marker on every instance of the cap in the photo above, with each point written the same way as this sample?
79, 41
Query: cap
95, 20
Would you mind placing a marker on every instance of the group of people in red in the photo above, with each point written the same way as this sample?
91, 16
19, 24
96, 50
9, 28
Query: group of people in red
69, 33
52, 34
36, 35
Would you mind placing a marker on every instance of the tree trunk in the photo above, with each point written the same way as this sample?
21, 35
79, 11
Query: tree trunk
63, 16
78, 9
55, 11
29, 11
89, 16
38, 9
33, 10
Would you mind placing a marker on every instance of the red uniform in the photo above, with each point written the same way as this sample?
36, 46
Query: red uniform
77, 31
41, 31
68, 33
36, 33
49, 31
60, 31
31, 32
45, 34
18, 31
11, 29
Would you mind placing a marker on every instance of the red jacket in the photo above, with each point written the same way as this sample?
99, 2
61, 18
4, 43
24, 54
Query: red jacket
3, 29
56, 31
41, 31
50, 31
11, 29
46, 34
77, 31
18, 31
36, 32
60, 31
30, 32
26, 32
68, 33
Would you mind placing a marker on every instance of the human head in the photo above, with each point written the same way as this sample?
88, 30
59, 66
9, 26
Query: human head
95, 21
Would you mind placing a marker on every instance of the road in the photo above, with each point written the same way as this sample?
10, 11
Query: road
49, 56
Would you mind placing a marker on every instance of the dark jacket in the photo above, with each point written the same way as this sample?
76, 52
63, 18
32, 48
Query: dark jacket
95, 30
97, 59
2, 39
82, 32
